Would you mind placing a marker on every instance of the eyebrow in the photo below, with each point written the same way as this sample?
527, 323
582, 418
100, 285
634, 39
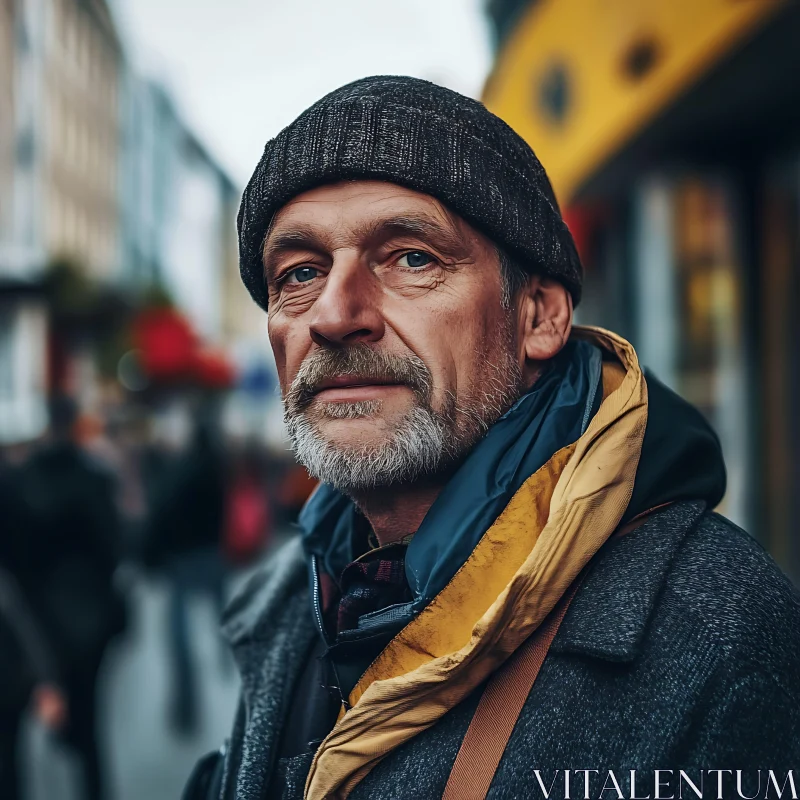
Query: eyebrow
416, 226
301, 238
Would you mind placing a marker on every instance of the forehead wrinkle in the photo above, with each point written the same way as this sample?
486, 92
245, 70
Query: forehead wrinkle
435, 223
304, 236
413, 225
297, 237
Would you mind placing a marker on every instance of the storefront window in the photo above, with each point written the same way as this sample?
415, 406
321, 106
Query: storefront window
691, 325
779, 359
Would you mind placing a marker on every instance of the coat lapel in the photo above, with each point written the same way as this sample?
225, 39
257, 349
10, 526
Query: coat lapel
609, 615
270, 629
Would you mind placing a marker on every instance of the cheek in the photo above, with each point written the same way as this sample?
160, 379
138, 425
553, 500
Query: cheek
285, 349
454, 342
479, 348
471, 349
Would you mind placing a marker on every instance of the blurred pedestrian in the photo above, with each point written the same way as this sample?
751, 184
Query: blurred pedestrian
69, 576
27, 672
27, 665
248, 510
184, 538
294, 490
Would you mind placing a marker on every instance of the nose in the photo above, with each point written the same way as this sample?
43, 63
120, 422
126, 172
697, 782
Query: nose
348, 309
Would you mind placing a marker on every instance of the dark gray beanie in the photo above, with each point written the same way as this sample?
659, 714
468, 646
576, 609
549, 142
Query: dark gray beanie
425, 137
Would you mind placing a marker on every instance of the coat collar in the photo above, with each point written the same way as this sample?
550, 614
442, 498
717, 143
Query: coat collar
270, 630
608, 618
252, 614
270, 627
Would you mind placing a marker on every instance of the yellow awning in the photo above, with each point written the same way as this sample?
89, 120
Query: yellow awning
578, 78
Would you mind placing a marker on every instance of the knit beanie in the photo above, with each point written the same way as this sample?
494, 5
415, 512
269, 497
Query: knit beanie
425, 137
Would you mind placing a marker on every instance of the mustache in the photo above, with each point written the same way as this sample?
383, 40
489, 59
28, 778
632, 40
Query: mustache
363, 362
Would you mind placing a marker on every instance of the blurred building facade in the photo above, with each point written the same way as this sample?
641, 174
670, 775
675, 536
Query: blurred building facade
23, 319
180, 234
100, 174
671, 133
178, 208
149, 135
199, 236
6, 117
81, 131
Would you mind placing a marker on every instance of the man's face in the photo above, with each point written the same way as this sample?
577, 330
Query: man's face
393, 347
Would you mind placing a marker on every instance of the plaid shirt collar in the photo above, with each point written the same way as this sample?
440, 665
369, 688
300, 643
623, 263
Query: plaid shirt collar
374, 581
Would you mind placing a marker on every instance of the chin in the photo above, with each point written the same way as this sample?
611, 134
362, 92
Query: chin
374, 451
356, 434
353, 423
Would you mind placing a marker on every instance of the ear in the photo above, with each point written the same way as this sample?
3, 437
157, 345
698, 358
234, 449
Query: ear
546, 319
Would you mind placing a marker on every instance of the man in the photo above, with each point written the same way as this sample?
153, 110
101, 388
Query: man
491, 478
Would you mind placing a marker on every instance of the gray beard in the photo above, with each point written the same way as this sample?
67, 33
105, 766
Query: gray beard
425, 442
421, 444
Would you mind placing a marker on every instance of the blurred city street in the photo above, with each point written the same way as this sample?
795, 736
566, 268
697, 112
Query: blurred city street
147, 760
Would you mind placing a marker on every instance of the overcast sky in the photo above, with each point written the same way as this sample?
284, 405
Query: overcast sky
240, 70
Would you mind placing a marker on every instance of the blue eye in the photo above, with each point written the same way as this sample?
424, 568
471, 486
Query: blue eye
302, 274
415, 259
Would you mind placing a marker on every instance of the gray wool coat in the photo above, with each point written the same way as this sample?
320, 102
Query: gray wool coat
680, 650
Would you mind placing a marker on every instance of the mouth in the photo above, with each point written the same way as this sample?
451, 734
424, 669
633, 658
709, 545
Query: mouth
353, 388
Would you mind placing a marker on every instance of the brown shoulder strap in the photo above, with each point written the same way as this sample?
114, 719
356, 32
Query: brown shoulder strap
498, 710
